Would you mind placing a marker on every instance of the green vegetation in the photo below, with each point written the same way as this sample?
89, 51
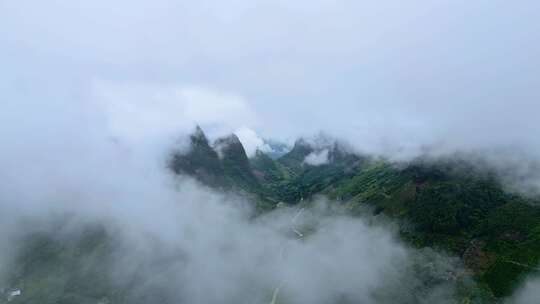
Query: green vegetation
443, 204
200, 161
236, 165
446, 203
464, 212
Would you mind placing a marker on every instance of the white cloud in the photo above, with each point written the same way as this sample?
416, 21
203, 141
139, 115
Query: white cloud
139, 110
175, 234
251, 141
317, 158
528, 294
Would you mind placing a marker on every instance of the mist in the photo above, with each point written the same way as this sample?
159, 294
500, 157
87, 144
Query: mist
394, 79
528, 294
95, 95
176, 240
391, 77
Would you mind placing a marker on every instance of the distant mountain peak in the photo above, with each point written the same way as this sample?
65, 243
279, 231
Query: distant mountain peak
230, 139
230, 144
224, 164
198, 137
200, 160
259, 153
198, 130
301, 142
276, 149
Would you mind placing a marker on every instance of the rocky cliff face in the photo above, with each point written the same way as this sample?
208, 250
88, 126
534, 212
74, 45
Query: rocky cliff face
200, 161
223, 164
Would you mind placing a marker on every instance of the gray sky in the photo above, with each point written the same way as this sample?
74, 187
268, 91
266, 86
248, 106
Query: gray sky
386, 75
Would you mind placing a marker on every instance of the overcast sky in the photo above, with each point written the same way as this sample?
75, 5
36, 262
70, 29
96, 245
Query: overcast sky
386, 75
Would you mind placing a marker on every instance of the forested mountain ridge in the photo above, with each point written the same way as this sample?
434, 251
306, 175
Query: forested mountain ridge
446, 203
449, 205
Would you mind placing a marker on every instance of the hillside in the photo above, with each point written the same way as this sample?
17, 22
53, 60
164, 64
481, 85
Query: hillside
444, 203
495, 232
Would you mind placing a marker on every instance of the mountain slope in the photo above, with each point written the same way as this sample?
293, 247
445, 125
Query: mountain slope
466, 213
200, 161
235, 163
446, 204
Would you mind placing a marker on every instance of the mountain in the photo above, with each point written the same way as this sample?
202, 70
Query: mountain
265, 168
223, 165
235, 163
462, 211
277, 149
292, 179
200, 161
295, 158
440, 203
448, 204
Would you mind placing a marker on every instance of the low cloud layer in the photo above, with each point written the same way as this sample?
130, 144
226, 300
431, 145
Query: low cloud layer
72, 162
214, 250
529, 293
317, 158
